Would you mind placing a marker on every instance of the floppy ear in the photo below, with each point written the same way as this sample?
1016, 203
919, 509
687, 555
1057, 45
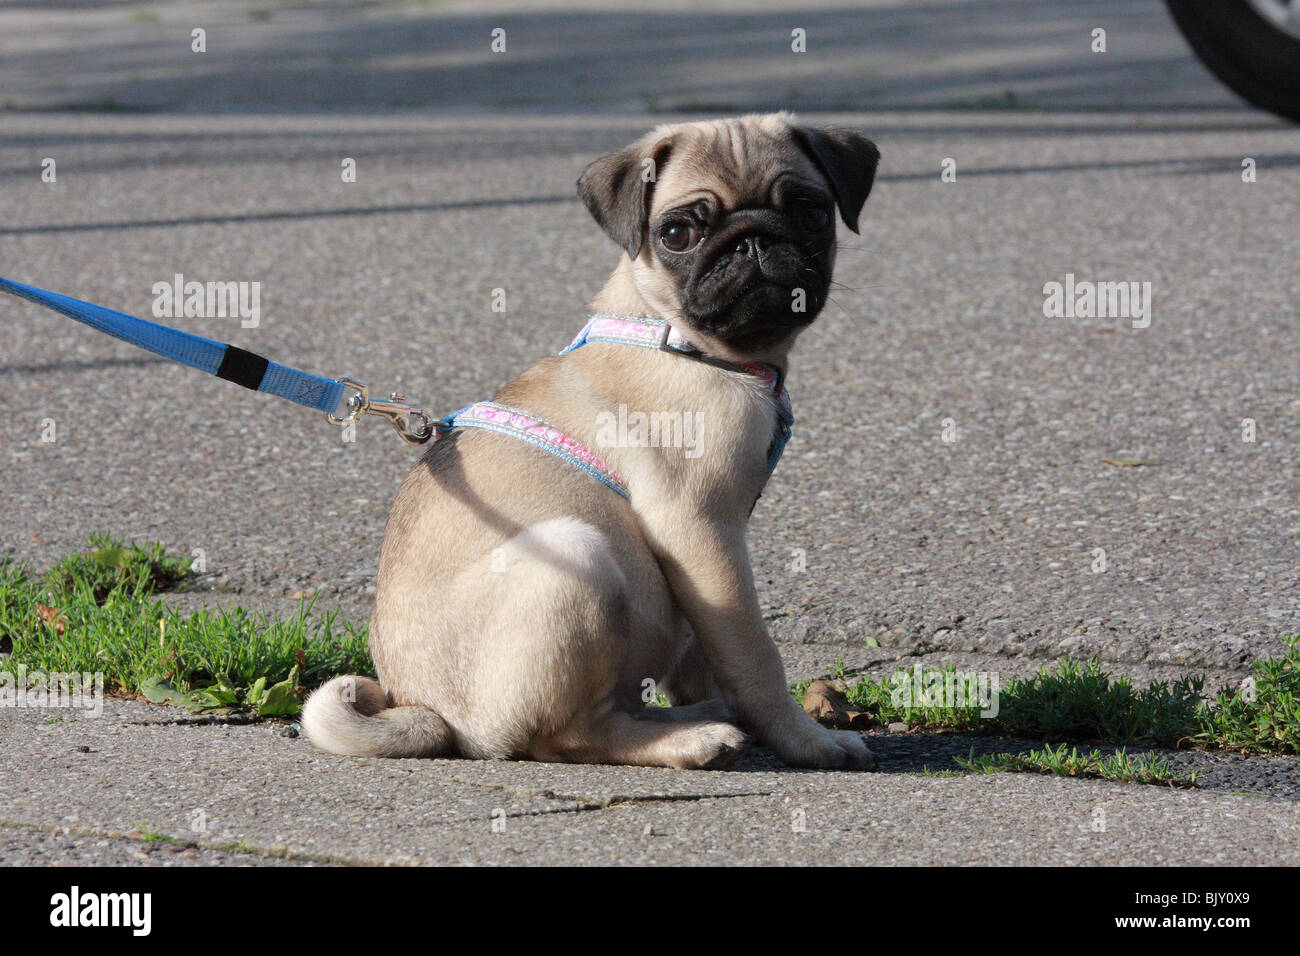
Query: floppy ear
616, 190
848, 161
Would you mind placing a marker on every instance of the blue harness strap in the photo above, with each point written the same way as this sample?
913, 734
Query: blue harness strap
216, 358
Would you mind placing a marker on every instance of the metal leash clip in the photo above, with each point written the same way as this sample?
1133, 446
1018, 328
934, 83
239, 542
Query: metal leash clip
413, 424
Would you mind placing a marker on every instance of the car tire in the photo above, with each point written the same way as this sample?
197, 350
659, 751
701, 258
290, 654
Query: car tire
1258, 59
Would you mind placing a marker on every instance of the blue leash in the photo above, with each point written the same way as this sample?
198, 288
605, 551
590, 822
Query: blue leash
416, 426
237, 365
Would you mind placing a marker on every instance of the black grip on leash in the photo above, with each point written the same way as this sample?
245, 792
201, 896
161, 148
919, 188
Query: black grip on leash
242, 367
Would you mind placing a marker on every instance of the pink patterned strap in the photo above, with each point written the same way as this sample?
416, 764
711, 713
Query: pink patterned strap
623, 330
517, 424
627, 330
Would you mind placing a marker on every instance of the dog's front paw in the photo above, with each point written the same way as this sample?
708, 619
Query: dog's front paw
858, 756
826, 750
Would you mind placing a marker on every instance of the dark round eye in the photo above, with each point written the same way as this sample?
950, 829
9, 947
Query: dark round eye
679, 236
814, 218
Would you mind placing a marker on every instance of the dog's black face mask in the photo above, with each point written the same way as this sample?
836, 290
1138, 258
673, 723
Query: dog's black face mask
743, 229
751, 277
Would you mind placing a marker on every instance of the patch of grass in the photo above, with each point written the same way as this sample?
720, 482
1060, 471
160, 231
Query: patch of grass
1077, 701
150, 835
919, 708
1264, 715
109, 565
1120, 766
97, 612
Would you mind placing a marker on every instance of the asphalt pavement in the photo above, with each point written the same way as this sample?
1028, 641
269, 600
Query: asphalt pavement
946, 491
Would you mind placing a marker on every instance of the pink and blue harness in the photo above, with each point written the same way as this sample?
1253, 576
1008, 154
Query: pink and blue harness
643, 332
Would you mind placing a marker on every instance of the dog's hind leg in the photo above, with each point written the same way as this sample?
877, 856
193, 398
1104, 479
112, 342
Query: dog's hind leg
617, 737
550, 659
538, 650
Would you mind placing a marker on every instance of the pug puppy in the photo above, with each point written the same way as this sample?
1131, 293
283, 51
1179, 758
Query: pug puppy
524, 608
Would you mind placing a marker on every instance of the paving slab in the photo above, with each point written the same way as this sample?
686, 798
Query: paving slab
879, 820
29, 846
223, 785
84, 789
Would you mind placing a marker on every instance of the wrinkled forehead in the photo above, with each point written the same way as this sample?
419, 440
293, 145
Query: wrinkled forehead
740, 164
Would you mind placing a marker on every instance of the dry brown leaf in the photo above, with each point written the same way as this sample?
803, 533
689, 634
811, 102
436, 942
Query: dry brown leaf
1128, 462
824, 702
52, 616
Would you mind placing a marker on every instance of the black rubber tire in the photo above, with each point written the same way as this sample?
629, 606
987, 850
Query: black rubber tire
1258, 60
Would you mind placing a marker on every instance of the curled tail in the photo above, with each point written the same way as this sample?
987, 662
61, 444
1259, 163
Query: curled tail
352, 716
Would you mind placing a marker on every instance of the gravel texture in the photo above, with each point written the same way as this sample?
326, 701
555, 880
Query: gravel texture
984, 546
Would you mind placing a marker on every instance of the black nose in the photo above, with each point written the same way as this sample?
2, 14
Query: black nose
753, 246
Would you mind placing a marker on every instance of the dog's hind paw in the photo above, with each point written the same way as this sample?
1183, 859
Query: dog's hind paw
717, 746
